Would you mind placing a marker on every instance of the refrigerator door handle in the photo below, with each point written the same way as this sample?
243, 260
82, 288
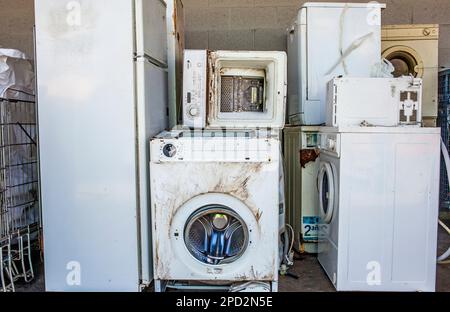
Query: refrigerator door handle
151, 60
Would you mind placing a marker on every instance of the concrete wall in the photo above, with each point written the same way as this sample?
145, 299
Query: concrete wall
261, 24
238, 24
16, 25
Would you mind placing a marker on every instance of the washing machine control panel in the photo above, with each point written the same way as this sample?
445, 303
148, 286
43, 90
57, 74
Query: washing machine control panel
329, 143
215, 149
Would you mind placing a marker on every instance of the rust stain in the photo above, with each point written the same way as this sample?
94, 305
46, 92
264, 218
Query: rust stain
210, 109
239, 188
171, 204
162, 272
253, 275
174, 18
219, 186
171, 215
155, 222
241, 278
157, 253
258, 215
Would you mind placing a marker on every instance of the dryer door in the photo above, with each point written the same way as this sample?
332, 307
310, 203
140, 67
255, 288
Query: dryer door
327, 184
406, 61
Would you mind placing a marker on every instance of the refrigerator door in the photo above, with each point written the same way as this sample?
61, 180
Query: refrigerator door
152, 114
87, 128
296, 48
151, 31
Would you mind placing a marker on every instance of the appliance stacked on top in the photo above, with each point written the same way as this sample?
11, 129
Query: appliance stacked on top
330, 40
387, 102
230, 89
378, 170
378, 187
378, 179
215, 181
326, 40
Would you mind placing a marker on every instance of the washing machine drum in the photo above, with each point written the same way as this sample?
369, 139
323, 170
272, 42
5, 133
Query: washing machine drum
216, 235
327, 192
406, 61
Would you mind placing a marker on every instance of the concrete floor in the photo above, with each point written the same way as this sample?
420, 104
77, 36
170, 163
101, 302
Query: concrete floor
311, 276
38, 284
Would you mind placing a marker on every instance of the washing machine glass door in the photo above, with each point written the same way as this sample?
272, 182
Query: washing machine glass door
216, 235
327, 192
406, 61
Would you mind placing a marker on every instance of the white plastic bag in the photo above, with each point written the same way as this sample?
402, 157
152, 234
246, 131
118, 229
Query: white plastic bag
16, 75
384, 69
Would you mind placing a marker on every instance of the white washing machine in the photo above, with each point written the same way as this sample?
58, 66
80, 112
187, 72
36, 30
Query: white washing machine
378, 204
414, 50
215, 207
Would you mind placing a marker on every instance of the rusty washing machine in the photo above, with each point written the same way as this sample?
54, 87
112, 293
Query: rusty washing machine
217, 201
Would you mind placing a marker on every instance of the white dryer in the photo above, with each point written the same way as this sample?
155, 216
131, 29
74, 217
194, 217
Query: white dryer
328, 40
234, 89
414, 50
215, 197
378, 205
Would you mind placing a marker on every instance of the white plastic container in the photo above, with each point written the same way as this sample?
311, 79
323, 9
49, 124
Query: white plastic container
387, 102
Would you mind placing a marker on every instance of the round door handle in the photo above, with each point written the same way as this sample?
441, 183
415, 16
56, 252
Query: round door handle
193, 111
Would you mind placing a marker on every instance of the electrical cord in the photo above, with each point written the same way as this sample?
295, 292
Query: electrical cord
441, 259
287, 255
341, 38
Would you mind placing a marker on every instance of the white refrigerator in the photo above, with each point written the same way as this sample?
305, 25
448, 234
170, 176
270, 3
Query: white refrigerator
102, 94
